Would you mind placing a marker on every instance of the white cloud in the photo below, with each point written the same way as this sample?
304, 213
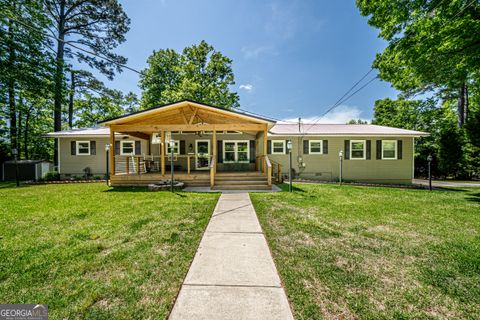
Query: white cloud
255, 52
339, 115
247, 87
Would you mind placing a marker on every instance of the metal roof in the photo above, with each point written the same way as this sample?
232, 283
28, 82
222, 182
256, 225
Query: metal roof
319, 129
280, 129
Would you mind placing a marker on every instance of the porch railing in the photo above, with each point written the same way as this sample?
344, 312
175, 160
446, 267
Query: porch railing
140, 164
268, 165
276, 168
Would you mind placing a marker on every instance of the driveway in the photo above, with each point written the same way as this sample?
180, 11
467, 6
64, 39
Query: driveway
446, 184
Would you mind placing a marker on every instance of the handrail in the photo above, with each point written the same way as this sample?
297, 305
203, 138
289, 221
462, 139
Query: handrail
269, 170
212, 171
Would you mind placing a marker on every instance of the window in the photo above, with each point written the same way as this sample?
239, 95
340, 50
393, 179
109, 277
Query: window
83, 148
315, 146
389, 149
176, 147
127, 148
357, 149
278, 146
236, 151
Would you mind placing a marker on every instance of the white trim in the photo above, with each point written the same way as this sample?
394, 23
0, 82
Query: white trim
236, 150
196, 154
83, 154
121, 147
364, 149
310, 147
396, 150
283, 146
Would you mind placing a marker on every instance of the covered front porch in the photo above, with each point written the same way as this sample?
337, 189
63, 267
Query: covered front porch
204, 145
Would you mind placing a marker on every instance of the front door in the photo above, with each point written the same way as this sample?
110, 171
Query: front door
202, 155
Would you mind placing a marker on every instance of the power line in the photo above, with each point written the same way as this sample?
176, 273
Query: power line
340, 101
74, 46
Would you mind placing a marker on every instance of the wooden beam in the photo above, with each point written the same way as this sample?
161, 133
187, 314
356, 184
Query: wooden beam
162, 152
112, 152
140, 135
190, 127
182, 112
193, 116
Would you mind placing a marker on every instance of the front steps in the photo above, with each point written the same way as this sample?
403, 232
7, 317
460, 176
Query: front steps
241, 181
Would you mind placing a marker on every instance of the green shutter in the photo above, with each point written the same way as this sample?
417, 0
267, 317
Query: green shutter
252, 151
305, 147
325, 146
399, 149
182, 147
346, 150
379, 149
269, 146
73, 148
219, 151
117, 147
93, 148
369, 150
138, 147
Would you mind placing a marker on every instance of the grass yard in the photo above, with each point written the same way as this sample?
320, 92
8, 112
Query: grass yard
89, 251
375, 253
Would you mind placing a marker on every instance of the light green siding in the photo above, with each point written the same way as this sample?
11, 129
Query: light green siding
327, 166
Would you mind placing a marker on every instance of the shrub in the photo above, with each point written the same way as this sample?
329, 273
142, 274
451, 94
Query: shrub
52, 176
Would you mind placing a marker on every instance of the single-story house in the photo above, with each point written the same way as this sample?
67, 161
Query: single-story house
211, 146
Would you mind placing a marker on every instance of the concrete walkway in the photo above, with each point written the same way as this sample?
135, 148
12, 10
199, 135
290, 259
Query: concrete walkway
232, 275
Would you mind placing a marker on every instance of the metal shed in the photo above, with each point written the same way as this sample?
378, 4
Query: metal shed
27, 169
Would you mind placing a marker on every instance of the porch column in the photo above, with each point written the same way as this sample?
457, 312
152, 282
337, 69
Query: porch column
265, 139
112, 152
162, 152
214, 149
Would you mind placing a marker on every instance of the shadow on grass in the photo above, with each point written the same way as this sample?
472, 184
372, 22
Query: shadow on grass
143, 190
285, 187
475, 197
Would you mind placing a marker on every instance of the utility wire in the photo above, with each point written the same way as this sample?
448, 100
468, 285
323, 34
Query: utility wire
340, 101
73, 45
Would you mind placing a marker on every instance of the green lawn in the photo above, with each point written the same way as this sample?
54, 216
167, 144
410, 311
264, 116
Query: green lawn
375, 253
89, 251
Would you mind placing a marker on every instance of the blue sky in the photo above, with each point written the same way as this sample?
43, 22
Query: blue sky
290, 58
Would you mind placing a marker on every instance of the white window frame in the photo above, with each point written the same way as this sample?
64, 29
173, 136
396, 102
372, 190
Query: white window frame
283, 146
121, 147
167, 145
364, 149
310, 147
89, 148
396, 150
236, 151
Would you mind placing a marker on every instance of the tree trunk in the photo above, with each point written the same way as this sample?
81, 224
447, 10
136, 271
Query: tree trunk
58, 95
467, 103
70, 103
25, 132
19, 134
461, 106
12, 112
